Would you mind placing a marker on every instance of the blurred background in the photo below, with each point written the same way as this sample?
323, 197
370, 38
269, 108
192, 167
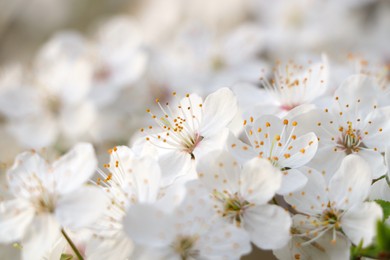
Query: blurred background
87, 70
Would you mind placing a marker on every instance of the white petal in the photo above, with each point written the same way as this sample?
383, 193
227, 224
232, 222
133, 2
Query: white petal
259, 181
40, 237
219, 108
147, 225
351, 184
174, 164
15, 217
292, 180
313, 198
356, 87
75, 168
321, 249
268, 226
219, 171
76, 120
241, 151
28, 174
224, 241
359, 223
303, 150
376, 162
81, 207
380, 190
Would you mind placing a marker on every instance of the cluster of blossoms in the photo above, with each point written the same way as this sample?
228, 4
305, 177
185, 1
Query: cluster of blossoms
297, 181
231, 155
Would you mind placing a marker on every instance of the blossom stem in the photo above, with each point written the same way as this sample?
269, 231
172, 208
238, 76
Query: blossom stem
72, 245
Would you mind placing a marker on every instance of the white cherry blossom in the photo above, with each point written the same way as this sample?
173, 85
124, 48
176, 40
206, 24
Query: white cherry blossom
337, 207
48, 198
277, 140
240, 196
191, 128
354, 124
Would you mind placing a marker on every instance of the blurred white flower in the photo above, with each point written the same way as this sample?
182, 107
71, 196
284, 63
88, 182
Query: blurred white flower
48, 198
118, 59
291, 85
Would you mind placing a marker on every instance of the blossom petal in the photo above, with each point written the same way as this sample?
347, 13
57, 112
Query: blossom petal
219, 171
81, 207
219, 109
15, 217
40, 237
28, 174
173, 165
303, 150
312, 198
359, 223
376, 162
240, 150
351, 184
75, 168
292, 180
259, 181
147, 225
268, 226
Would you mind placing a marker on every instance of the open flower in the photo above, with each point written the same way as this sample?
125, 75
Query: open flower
292, 85
240, 196
48, 197
337, 208
190, 128
354, 124
277, 140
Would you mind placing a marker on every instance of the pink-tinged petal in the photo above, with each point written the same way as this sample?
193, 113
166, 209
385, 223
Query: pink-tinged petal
241, 151
376, 162
74, 168
350, 185
81, 207
292, 180
219, 171
175, 164
147, 225
359, 222
15, 217
312, 198
40, 237
28, 175
268, 226
259, 181
303, 150
219, 109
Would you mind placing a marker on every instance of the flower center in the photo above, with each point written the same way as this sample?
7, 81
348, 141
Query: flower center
350, 140
233, 206
45, 203
184, 246
179, 125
